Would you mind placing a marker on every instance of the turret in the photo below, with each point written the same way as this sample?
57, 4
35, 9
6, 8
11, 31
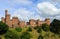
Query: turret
3, 19
32, 22
47, 20
38, 22
7, 17
6, 12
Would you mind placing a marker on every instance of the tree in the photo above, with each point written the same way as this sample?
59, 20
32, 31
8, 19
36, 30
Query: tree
3, 28
36, 27
11, 35
25, 35
39, 29
18, 29
29, 29
40, 37
55, 26
45, 27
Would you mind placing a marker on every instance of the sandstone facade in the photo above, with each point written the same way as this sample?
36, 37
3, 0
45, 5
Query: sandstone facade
14, 22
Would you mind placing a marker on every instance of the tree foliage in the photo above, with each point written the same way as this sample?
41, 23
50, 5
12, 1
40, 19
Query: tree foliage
40, 37
25, 35
36, 27
29, 29
3, 28
55, 26
11, 35
45, 27
18, 29
39, 29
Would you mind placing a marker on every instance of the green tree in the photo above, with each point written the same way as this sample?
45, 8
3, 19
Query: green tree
18, 29
11, 35
36, 27
45, 27
3, 28
55, 26
40, 37
25, 35
39, 29
29, 29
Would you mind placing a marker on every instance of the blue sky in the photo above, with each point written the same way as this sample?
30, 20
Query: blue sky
31, 9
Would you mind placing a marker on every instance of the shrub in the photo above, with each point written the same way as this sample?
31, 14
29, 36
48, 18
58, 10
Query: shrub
46, 35
3, 28
55, 26
29, 29
40, 37
11, 35
18, 29
25, 35
45, 27
39, 29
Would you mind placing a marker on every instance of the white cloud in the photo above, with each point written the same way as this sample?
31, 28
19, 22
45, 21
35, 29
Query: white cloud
23, 14
37, 17
21, 2
55, 1
47, 8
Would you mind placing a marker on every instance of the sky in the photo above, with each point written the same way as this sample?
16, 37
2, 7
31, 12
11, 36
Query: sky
31, 9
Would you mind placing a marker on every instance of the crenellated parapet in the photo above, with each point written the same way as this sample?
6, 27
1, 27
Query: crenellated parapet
14, 22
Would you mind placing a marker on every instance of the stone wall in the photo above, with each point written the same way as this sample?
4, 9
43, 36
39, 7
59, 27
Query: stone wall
14, 22
22, 23
32, 22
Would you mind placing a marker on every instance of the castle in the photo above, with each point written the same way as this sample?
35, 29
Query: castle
14, 22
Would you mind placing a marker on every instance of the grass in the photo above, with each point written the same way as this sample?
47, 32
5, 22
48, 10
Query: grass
35, 34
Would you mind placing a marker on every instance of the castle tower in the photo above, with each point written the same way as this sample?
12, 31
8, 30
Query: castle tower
22, 24
3, 19
47, 20
38, 22
15, 21
7, 18
6, 12
32, 22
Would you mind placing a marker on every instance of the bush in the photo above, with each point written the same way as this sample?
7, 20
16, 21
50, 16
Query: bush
25, 35
55, 26
36, 27
39, 29
46, 35
18, 29
29, 29
45, 27
3, 28
40, 37
11, 35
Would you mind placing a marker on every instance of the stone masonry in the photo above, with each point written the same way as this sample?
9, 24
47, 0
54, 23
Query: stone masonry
14, 22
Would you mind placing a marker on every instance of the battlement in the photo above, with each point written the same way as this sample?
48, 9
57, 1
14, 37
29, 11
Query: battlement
47, 19
14, 22
15, 17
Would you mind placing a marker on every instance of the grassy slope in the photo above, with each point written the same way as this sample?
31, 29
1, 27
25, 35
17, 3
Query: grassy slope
35, 34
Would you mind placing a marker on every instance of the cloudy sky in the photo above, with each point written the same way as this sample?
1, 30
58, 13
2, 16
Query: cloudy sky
31, 9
